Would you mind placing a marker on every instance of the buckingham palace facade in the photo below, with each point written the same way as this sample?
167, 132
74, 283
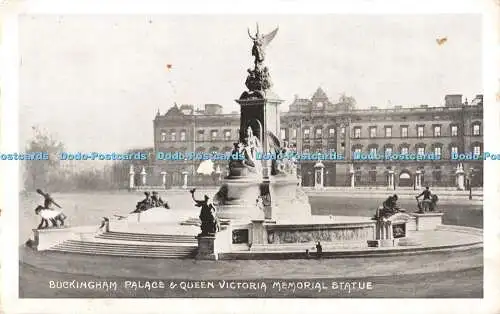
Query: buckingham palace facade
320, 125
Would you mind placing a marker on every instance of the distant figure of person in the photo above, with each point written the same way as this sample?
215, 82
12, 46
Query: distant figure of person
157, 201
307, 254
48, 201
426, 203
319, 250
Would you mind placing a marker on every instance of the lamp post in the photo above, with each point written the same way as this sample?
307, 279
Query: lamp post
471, 175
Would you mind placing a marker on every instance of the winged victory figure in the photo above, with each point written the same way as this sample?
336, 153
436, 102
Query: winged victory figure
260, 42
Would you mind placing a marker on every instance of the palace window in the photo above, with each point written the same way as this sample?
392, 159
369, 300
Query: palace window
420, 151
373, 131
437, 152
331, 132
454, 130
318, 133
306, 133
404, 150
388, 131
357, 132
173, 136
227, 135
163, 136
437, 130
357, 150
373, 175
342, 131
373, 151
283, 134
200, 135
476, 129
436, 175
454, 149
404, 131
183, 135
357, 174
294, 133
476, 150
388, 151
420, 131
213, 134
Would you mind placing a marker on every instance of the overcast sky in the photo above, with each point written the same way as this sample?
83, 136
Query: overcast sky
95, 82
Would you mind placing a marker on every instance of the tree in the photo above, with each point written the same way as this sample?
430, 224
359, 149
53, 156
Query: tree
39, 173
121, 168
350, 101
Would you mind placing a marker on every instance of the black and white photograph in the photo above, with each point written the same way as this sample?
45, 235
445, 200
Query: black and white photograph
251, 156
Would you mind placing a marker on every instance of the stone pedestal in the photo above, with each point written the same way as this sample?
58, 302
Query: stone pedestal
352, 176
287, 200
319, 175
259, 233
460, 175
185, 179
143, 176
390, 181
164, 178
131, 177
418, 181
45, 239
207, 249
262, 115
385, 235
428, 221
240, 199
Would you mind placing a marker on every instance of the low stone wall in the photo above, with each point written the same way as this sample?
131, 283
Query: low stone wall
44, 239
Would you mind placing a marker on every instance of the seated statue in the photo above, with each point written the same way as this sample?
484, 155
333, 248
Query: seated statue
245, 164
44, 223
428, 205
209, 222
389, 207
156, 201
252, 143
434, 199
144, 205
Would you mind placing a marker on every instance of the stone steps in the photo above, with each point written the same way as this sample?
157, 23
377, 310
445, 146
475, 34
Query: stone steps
148, 237
129, 250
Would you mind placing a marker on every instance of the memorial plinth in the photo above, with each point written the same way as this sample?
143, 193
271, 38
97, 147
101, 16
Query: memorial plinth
428, 221
207, 249
388, 231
